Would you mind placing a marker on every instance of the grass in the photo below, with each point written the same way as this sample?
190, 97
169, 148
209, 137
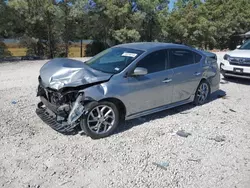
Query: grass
18, 51
73, 51
76, 51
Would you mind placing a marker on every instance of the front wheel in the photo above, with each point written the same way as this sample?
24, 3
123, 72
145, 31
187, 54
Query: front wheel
225, 77
202, 94
101, 120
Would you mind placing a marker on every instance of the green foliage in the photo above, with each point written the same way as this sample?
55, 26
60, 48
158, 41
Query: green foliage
4, 51
47, 26
94, 48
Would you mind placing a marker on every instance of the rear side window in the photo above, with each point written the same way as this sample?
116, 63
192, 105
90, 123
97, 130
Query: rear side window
197, 57
179, 58
154, 62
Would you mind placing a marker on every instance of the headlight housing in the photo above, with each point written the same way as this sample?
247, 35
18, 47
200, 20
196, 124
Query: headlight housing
226, 57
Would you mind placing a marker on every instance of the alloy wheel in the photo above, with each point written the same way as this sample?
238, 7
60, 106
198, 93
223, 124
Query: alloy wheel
203, 92
101, 119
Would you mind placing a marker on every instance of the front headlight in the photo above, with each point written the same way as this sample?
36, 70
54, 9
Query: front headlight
226, 57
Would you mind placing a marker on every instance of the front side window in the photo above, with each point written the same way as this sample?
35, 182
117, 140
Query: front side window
245, 46
113, 60
154, 62
179, 58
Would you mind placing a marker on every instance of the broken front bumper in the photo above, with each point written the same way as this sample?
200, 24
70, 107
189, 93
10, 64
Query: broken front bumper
50, 119
62, 118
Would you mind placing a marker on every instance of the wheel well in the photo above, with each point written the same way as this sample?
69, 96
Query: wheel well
121, 107
203, 79
206, 80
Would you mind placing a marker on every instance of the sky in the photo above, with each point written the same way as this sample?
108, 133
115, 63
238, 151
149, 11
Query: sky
171, 4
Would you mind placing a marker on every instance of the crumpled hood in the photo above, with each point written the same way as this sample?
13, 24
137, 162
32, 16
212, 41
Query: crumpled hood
240, 53
59, 73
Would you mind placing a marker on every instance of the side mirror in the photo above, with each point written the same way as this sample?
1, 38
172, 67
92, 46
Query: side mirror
237, 47
139, 71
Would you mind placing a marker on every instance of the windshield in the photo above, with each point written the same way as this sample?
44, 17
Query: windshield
245, 46
113, 60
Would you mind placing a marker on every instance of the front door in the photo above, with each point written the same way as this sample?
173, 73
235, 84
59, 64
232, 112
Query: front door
152, 90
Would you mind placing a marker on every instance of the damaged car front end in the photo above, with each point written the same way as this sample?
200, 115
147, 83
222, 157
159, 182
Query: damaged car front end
60, 111
61, 84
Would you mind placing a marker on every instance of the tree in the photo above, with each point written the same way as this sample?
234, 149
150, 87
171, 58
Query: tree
181, 22
45, 24
154, 13
38, 19
109, 22
65, 23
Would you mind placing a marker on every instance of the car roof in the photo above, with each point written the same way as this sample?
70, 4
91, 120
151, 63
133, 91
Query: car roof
148, 46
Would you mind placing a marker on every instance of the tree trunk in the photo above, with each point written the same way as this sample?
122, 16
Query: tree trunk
150, 36
81, 49
66, 49
51, 54
66, 28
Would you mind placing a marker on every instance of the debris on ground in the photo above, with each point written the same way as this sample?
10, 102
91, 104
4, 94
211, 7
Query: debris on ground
182, 133
13, 102
163, 165
194, 160
224, 82
232, 110
222, 96
66, 182
185, 112
219, 138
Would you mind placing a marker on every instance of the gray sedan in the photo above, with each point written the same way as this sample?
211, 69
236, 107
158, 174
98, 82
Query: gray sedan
123, 82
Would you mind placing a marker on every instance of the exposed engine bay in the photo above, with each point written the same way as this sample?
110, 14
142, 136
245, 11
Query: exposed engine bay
62, 101
60, 111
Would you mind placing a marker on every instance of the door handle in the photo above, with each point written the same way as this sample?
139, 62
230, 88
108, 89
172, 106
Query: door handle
197, 74
167, 80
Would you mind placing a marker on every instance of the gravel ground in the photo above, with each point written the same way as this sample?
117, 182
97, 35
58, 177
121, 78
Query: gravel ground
215, 155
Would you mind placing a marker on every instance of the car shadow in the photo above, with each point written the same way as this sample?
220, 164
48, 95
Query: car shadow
242, 81
126, 125
184, 109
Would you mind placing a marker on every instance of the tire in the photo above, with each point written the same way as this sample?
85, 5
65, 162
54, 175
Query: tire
225, 77
101, 120
202, 93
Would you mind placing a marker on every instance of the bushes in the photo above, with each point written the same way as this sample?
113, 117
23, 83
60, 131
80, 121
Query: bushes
94, 48
4, 52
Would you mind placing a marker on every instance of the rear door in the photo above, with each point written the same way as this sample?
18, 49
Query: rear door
187, 71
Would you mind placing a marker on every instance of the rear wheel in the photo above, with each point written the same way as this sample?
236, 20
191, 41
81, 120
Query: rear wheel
202, 94
101, 121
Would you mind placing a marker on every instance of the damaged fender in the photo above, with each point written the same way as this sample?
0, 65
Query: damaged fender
77, 110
